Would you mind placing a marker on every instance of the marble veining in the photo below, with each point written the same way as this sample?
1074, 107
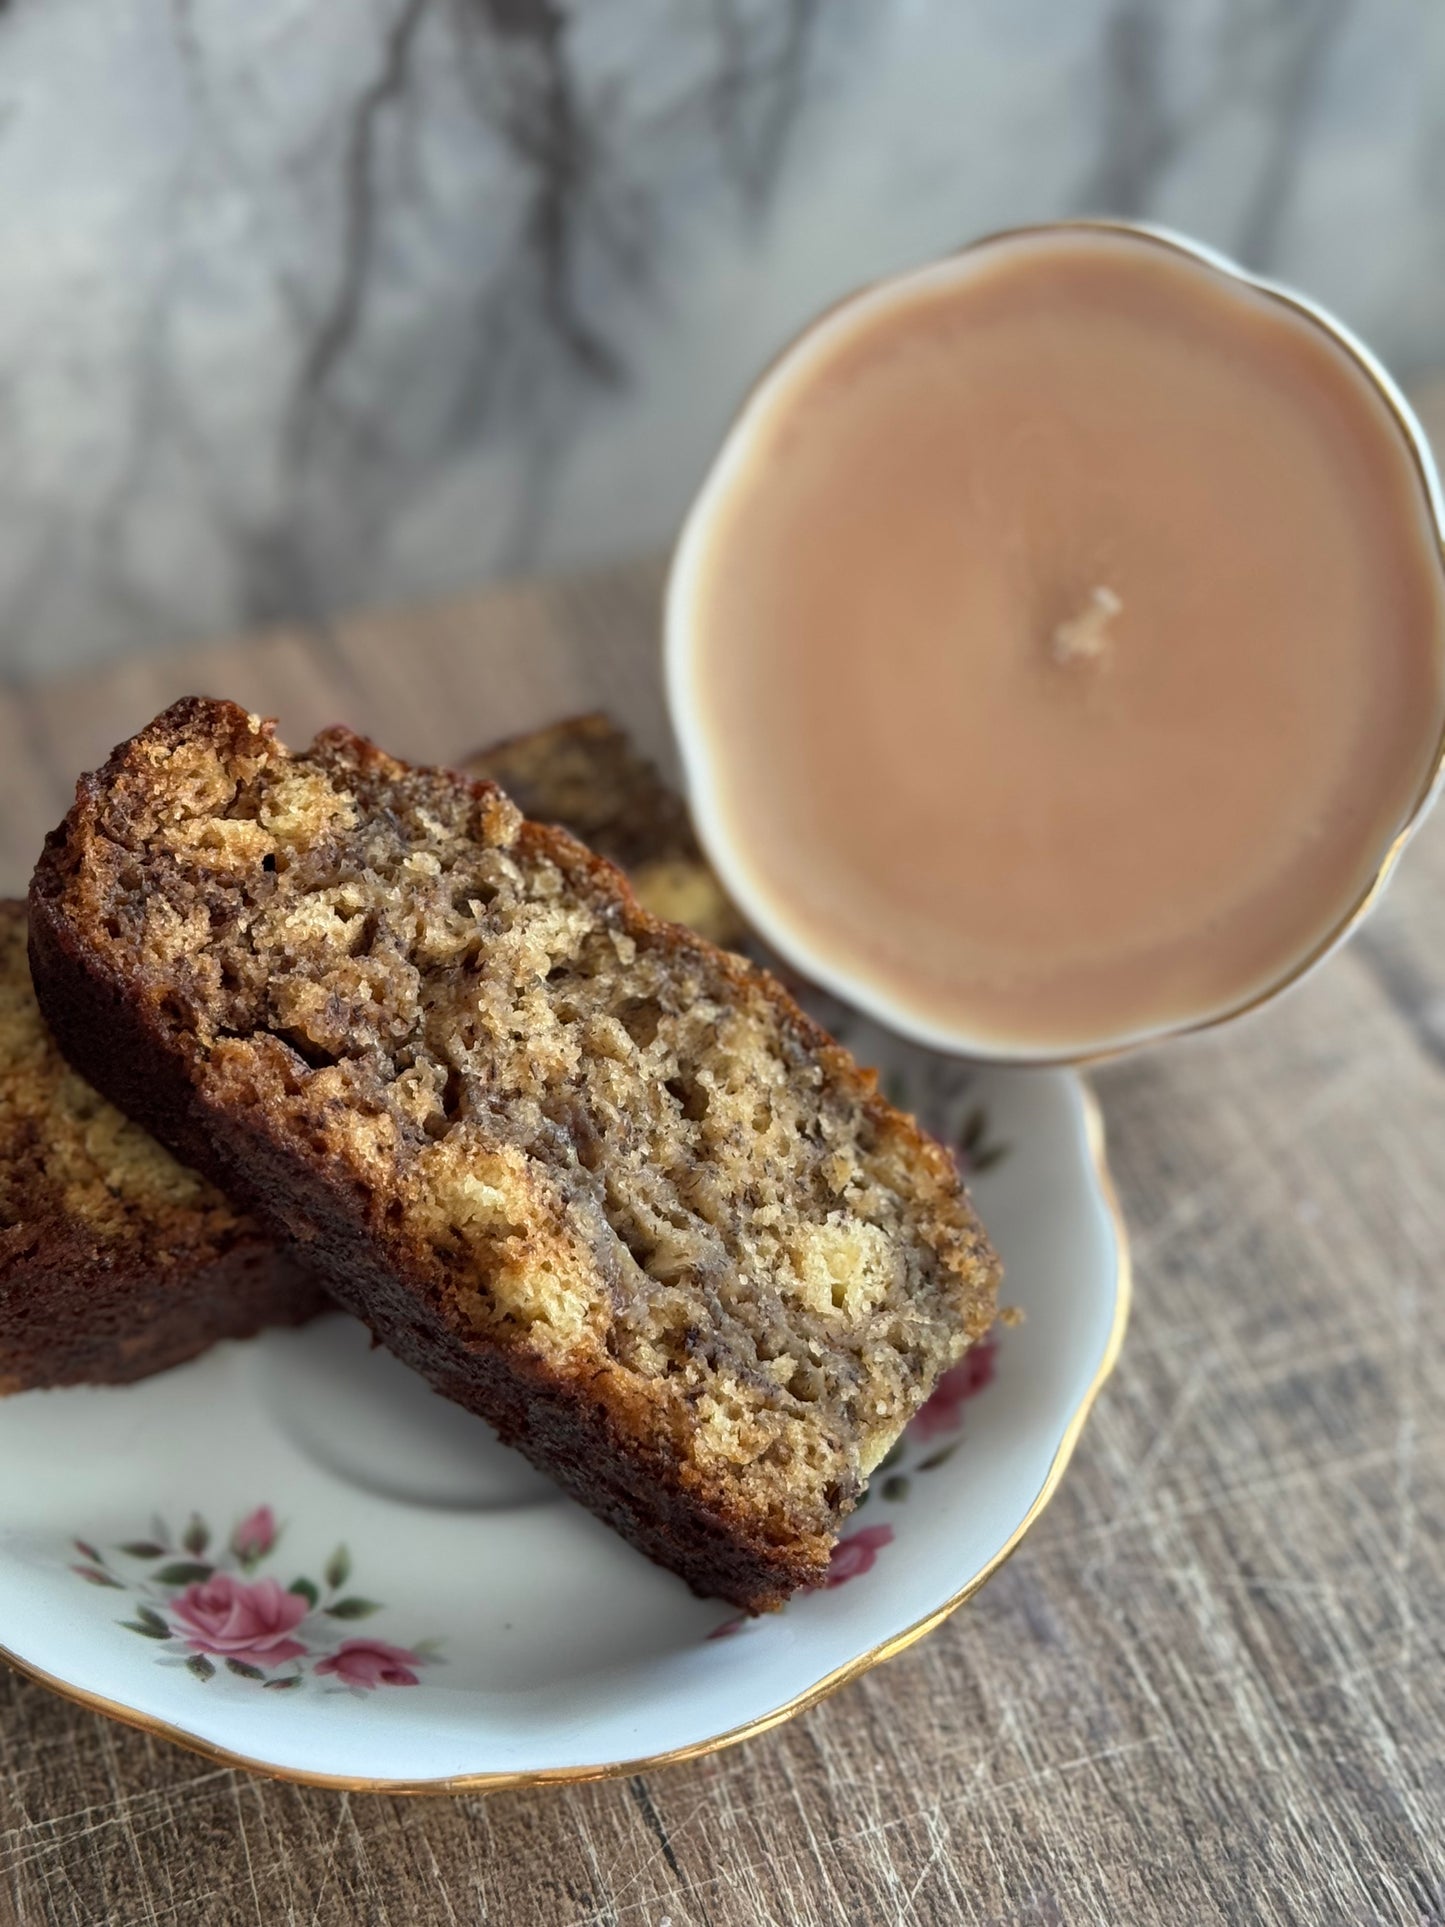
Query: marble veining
305, 306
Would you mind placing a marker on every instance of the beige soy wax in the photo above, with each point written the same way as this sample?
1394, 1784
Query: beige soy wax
1057, 647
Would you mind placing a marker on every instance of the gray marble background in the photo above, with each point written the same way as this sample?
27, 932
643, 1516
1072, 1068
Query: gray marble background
309, 304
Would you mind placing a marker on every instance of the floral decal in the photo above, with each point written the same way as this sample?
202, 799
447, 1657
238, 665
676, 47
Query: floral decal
854, 1556
371, 1662
202, 1607
940, 1416
940, 1413
225, 1616
974, 1149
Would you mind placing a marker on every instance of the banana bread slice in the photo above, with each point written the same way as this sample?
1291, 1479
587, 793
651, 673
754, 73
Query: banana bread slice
598, 1180
115, 1261
586, 774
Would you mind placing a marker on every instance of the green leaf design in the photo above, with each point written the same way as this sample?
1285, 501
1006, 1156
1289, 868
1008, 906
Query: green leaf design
338, 1568
305, 1590
181, 1572
280, 1685
243, 1669
976, 1153
144, 1549
429, 1649
148, 1616
146, 1631
200, 1666
88, 1551
897, 1487
93, 1576
936, 1459
197, 1535
353, 1609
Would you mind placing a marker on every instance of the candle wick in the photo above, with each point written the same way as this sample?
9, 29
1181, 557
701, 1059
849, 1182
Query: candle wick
1084, 637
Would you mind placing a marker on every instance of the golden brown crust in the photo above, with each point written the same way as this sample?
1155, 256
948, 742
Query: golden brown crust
293, 1114
115, 1262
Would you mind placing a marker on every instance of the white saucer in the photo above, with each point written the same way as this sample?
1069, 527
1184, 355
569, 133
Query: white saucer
293, 1556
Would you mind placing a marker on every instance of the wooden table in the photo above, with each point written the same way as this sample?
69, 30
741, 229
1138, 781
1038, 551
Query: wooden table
1210, 1687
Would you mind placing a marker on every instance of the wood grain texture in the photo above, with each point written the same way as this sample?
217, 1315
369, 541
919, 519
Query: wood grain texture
1211, 1685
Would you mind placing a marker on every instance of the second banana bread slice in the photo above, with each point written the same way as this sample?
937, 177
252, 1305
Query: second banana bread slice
115, 1261
598, 1180
586, 774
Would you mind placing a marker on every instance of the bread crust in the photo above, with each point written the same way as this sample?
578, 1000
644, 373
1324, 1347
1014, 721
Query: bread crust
109, 1297
73, 1312
242, 1115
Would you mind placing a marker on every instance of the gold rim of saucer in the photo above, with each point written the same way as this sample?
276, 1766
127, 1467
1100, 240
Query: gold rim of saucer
1412, 433
1097, 1146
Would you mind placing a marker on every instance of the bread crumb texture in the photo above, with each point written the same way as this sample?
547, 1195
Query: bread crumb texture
63, 1148
583, 1135
585, 774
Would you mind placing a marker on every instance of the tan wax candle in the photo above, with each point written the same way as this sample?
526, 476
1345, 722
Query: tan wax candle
1058, 646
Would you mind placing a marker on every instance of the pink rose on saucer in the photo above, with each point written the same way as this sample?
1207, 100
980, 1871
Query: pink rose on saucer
226, 1616
255, 1535
371, 1662
855, 1555
965, 1380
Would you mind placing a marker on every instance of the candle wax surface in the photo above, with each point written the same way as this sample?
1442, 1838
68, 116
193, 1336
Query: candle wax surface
1064, 637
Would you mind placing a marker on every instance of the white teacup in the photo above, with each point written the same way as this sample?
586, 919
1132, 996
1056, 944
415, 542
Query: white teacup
708, 752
